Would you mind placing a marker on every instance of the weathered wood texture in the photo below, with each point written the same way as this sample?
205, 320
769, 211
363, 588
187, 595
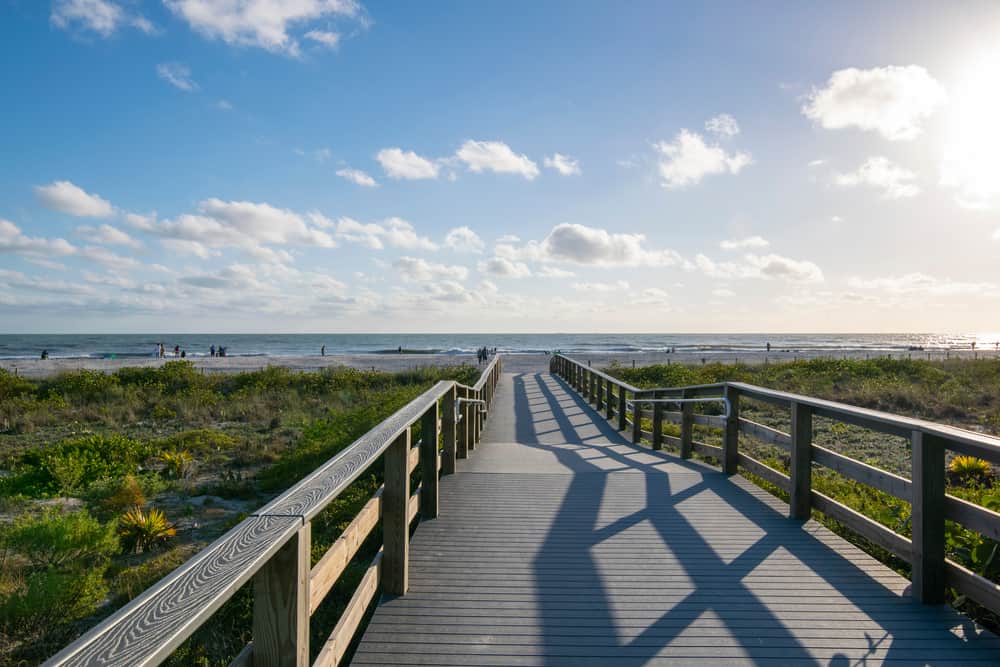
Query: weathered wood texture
574, 547
281, 606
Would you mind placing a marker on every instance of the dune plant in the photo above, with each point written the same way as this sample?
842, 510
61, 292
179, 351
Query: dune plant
970, 468
141, 531
179, 464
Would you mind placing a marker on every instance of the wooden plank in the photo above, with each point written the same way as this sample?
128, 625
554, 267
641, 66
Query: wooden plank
281, 606
862, 525
712, 421
687, 426
765, 472
657, 439
801, 462
766, 434
927, 518
340, 639
609, 403
327, 571
449, 434
973, 586
622, 408
413, 506
429, 438
882, 480
984, 521
412, 459
395, 517
244, 658
731, 435
707, 450
636, 422
462, 451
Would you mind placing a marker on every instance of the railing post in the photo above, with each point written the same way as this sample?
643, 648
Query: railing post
395, 523
622, 409
731, 439
429, 463
927, 518
598, 392
687, 426
800, 490
657, 423
281, 606
463, 425
636, 419
609, 407
448, 427
588, 384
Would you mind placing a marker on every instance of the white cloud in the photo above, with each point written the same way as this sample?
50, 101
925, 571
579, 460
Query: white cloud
108, 235
463, 239
107, 258
68, 198
495, 156
184, 247
723, 125
921, 283
267, 24
324, 37
504, 268
618, 286
651, 296
688, 159
579, 244
12, 240
894, 181
224, 105
357, 177
177, 75
891, 100
723, 292
748, 242
401, 164
554, 272
102, 17
816, 163
394, 232
761, 266
791, 270
564, 164
416, 269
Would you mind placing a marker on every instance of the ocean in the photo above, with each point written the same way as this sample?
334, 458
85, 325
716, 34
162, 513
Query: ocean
107, 346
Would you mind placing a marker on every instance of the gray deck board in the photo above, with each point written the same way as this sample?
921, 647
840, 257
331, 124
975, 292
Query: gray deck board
560, 543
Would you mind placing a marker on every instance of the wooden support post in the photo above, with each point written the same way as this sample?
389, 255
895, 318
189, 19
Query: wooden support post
636, 420
448, 427
429, 464
586, 385
622, 409
395, 517
731, 438
687, 426
657, 423
598, 393
927, 519
281, 606
473, 421
800, 491
463, 425
610, 403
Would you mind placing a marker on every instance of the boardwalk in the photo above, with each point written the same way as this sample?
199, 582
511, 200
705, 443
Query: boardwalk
563, 544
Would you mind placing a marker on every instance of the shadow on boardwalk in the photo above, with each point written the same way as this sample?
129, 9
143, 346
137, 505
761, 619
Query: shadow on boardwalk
561, 544
717, 582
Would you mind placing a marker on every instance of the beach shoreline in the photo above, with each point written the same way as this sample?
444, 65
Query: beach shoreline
527, 362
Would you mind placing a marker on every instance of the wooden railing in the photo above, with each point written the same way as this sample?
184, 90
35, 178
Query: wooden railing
272, 546
931, 506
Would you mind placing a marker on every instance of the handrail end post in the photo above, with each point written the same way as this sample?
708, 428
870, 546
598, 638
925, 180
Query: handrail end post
731, 437
928, 511
800, 490
281, 605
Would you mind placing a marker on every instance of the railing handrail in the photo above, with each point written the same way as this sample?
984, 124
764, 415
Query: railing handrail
960, 440
151, 626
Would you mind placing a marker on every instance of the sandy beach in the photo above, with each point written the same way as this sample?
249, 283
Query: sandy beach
516, 363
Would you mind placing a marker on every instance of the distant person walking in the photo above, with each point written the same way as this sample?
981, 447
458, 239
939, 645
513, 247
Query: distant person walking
322, 351
211, 351
769, 347
45, 354
177, 350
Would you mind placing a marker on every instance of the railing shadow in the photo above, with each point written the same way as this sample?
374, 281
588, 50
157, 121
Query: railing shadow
551, 416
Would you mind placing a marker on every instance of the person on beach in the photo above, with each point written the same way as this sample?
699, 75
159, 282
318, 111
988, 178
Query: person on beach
211, 351
163, 351
769, 347
45, 354
177, 350
322, 351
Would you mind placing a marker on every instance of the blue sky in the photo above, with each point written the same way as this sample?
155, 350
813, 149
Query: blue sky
229, 165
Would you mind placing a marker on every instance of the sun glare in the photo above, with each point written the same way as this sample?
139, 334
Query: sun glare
971, 161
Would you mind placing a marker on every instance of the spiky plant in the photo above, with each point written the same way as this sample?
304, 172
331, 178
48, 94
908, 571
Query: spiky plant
141, 531
178, 464
967, 468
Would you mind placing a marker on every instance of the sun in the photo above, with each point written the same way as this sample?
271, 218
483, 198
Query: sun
971, 160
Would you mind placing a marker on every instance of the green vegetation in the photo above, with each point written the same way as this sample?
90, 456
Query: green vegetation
108, 482
961, 393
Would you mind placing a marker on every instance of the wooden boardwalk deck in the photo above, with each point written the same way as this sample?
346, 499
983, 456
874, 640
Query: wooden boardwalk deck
560, 543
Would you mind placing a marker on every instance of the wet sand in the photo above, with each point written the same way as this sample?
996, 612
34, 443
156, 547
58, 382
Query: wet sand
514, 363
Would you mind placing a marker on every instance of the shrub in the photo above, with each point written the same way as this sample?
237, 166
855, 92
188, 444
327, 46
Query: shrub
65, 540
178, 464
970, 468
84, 386
53, 597
14, 386
127, 494
141, 531
198, 440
